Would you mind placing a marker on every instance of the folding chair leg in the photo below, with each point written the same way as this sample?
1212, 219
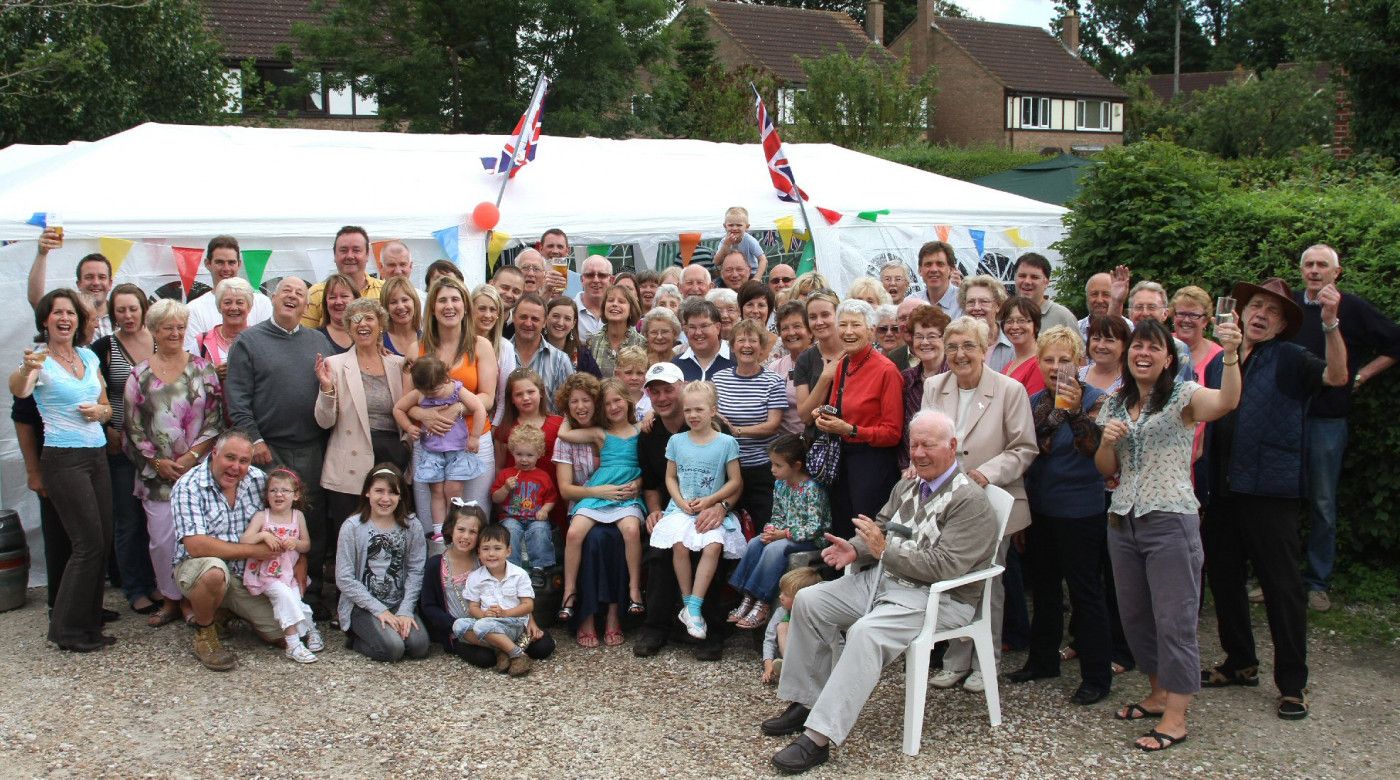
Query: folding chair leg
987, 662
915, 692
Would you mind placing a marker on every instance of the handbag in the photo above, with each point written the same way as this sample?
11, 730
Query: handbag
824, 456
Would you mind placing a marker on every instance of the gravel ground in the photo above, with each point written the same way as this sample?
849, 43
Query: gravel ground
146, 708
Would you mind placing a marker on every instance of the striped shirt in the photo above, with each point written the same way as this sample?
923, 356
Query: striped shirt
200, 509
746, 401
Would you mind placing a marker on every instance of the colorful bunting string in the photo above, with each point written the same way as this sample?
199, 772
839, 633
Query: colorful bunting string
255, 265
115, 250
831, 216
943, 231
378, 247
40, 220
447, 239
601, 250
785, 230
872, 216
688, 243
808, 261
495, 246
187, 265
979, 240
1014, 235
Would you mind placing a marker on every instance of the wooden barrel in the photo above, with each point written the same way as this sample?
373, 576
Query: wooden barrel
14, 562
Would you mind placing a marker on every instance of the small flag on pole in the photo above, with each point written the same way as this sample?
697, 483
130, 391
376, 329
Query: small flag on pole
520, 146
778, 168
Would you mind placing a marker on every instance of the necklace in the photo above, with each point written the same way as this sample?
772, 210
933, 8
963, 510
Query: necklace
71, 364
852, 369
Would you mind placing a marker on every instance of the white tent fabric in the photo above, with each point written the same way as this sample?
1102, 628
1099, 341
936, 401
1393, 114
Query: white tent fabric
289, 190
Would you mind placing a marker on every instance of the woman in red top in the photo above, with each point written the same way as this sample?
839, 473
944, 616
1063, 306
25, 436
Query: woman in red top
1020, 321
867, 391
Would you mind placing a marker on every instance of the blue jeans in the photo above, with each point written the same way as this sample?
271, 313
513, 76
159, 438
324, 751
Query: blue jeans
539, 542
130, 542
763, 565
1326, 444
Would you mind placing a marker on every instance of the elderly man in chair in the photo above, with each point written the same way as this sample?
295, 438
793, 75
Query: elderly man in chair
936, 526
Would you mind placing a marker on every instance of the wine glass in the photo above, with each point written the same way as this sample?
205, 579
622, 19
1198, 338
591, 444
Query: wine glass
1224, 310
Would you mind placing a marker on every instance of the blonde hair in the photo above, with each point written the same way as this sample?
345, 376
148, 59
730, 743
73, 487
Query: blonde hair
797, 579
466, 340
1193, 294
992, 283
1061, 336
165, 309
737, 211
864, 285
491, 292
752, 328
632, 357
615, 385
807, 284
526, 437
399, 284
710, 392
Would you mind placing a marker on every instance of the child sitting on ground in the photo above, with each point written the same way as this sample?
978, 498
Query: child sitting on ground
526, 494
775, 637
443, 461
283, 529
499, 598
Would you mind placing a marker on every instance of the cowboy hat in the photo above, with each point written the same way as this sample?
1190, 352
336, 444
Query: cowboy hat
1275, 288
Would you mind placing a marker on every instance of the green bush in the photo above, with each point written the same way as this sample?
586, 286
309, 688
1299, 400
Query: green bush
1180, 217
964, 164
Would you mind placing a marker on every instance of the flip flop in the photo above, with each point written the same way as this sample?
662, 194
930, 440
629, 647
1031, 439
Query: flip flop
586, 640
612, 638
1164, 741
1135, 711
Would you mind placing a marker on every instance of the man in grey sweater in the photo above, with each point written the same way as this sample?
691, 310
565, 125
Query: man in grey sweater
948, 529
271, 392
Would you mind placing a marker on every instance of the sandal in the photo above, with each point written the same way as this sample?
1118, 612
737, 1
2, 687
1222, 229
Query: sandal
1220, 677
636, 608
566, 610
1164, 741
1136, 711
151, 606
1068, 653
612, 638
1292, 707
589, 640
165, 616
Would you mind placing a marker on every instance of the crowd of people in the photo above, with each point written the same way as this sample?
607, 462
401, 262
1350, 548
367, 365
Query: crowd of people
418, 466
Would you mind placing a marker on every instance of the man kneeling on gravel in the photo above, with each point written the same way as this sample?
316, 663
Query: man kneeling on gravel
212, 504
941, 527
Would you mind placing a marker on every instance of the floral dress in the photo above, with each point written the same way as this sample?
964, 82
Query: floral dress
167, 420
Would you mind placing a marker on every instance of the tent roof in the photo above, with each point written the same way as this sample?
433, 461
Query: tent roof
173, 180
1054, 181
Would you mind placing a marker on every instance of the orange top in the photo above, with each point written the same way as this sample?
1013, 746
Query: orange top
464, 372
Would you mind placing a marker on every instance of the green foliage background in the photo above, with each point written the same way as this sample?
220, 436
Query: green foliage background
958, 163
1181, 217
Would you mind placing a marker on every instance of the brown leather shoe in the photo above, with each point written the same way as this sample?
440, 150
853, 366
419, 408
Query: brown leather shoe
211, 652
502, 662
520, 665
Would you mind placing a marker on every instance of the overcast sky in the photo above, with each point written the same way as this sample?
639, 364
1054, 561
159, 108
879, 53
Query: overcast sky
1032, 12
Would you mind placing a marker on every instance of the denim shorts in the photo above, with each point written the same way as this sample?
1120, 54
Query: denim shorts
455, 466
510, 627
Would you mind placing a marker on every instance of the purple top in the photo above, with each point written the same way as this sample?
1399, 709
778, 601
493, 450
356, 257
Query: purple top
455, 440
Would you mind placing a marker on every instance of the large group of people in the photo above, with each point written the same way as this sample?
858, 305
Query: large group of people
698, 452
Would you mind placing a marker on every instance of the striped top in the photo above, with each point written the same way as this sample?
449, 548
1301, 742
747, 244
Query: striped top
746, 401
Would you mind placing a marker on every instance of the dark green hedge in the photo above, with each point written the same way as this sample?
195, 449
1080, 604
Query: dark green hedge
1180, 217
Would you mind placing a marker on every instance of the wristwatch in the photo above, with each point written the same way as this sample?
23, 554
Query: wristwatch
726, 505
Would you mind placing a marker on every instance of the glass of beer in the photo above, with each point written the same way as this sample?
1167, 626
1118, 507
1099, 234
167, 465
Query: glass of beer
561, 265
55, 221
1065, 377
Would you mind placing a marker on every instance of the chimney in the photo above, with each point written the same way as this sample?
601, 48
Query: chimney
1341, 126
875, 21
1069, 31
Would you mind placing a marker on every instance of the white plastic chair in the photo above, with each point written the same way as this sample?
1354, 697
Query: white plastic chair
916, 658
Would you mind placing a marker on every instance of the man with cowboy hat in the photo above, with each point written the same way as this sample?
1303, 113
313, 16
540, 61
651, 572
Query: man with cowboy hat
1254, 473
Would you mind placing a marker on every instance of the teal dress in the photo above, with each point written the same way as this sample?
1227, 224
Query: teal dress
617, 465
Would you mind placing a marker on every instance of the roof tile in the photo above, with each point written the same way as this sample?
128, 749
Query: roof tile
777, 35
256, 28
1027, 59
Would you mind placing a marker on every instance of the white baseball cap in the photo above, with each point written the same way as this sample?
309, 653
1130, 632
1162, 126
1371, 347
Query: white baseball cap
669, 373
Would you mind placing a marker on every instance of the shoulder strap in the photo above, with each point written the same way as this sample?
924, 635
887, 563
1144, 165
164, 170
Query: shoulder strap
841, 384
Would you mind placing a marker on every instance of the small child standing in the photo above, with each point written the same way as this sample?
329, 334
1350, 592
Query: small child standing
702, 470
526, 494
632, 365
442, 460
775, 637
801, 518
736, 236
500, 599
283, 529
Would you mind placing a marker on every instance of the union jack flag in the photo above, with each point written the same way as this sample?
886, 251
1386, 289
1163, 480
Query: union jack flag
778, 167
527, 132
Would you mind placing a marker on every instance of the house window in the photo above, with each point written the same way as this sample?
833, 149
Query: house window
346, 102
233, 91
1035, 112
1094, 115
787, 105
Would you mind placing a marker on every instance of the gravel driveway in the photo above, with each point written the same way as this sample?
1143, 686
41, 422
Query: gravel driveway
146, 708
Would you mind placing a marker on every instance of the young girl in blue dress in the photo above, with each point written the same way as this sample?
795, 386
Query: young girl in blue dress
702, 470
618, 470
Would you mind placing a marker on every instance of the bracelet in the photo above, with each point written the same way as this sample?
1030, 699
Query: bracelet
1358, 379
1337, 323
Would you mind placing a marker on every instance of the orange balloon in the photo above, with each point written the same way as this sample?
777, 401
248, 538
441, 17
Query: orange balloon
486, 215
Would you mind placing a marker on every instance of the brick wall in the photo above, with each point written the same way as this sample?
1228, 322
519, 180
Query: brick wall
970, 107
1035, 140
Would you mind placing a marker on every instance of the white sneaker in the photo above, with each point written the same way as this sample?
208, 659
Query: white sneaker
300, 654
974, 683
313, 640
694, 624
947, 678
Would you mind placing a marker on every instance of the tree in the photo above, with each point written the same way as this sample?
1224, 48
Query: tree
445, 66
1364, 41
1120, 36
1261, 34
863, 101
82, 71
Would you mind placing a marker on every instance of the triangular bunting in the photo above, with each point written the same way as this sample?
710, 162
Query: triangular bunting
688, 243
494, 247
1014, 235
872, 216
255, 265
979, 240
447, 238
943, 231
602, 250
785, 230
115, 250
40, 219
808, 261
378, 247
831, 217
187, 265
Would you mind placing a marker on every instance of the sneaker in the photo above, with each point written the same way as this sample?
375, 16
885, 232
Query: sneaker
519, 666
1256, 595
211, 652
694, 624
947, 678
1319, 601
502, 662
301, 654
313, 640
974, 683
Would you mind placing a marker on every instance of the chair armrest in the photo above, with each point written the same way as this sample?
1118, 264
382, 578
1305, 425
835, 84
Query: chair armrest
967, 579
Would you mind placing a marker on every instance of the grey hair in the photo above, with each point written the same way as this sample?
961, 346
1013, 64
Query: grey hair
234, 285
859, 307
886, 312
230, 435
368, 305
668, 290
165, 309
1329, 251
895, 262
988, 281
975, 327
661, 314
1150, 287
722, 296
936, 417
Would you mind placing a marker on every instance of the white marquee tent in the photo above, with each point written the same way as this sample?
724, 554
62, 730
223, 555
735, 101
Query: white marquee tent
289, 190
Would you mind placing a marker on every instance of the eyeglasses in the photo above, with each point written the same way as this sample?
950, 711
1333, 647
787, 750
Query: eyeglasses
781, 279
1016, 321
278, 491
596, 275
1147, 307
885, 329
1190, 316
929, 337
969, 348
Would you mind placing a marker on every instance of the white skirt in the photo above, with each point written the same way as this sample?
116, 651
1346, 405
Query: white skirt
680, 527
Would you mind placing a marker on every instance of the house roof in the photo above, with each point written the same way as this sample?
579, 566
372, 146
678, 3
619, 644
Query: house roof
776, 36
1027, 59
256, 28
1161, 84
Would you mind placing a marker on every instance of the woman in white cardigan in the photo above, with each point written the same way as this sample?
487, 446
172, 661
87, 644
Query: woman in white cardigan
996, 444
